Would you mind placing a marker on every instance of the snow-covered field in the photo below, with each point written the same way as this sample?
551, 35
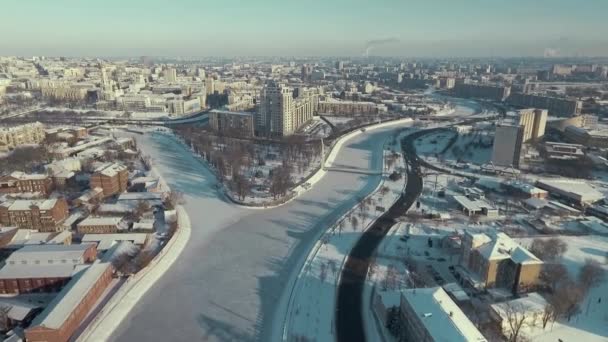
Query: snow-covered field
591, 324
233, 279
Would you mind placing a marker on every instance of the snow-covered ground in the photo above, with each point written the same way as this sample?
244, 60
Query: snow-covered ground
311, 309
591, 324
233, 279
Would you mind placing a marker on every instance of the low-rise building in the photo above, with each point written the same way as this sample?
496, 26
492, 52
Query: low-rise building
20, 182
43, 268
43, 215
106, 241
495, 260
430, 315
572, 190
66, 311
101, 225
112, 178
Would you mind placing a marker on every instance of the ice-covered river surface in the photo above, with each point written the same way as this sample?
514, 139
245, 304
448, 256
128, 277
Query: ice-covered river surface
232, 281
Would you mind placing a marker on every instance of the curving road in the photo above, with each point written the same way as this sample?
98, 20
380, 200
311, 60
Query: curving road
349, 305
232, 280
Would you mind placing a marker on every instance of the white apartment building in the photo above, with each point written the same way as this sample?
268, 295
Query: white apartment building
11, 137
279, 114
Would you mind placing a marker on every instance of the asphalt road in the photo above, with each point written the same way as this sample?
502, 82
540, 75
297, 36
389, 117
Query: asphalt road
349, 307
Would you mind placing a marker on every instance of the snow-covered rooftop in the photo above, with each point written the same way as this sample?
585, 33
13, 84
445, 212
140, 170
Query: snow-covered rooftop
441, 317
60, 308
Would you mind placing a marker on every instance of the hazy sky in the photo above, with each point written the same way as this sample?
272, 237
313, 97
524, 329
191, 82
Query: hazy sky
304, 27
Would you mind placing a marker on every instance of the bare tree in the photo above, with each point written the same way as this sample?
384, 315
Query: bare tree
548, 314
373, 265
550, 249
354, 222
591, 274
173, 198
5, 322
552, 274
242, 185
340, 227
567, 298
516, 316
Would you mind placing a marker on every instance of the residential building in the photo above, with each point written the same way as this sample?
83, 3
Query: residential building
43, 215
170, 75
12, 137
556, 106
65, 313
430, 315
336, 107
279, 114
112, 178
533, 122
508, 140
240, 123
495, 260
484, 91
20, 182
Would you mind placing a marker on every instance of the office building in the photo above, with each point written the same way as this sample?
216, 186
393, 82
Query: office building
494, 260
533, 122
239, 123
556, 106
508, 140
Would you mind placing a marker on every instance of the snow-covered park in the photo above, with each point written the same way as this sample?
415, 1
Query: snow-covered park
234, 277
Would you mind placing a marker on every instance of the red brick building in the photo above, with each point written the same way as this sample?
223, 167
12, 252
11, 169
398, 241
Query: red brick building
19, 182
43, 215
43, 268
111, 178
65, 313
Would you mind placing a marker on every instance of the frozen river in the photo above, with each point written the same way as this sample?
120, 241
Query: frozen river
232, 281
